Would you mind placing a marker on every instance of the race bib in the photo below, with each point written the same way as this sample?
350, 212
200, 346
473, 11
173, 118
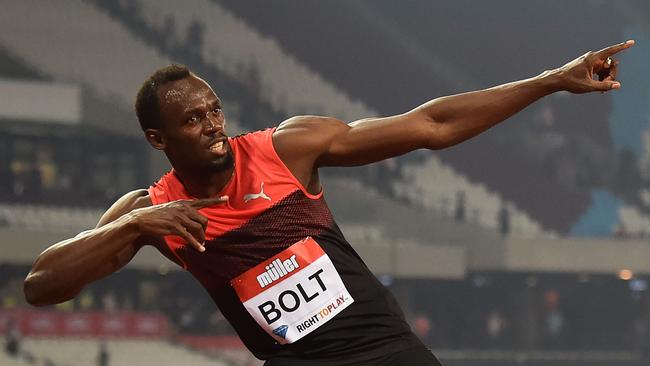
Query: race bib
294, 292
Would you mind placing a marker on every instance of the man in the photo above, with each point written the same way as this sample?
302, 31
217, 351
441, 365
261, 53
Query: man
12, 339
246, 217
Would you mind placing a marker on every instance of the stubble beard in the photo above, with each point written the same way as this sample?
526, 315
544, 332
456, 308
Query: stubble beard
222, 164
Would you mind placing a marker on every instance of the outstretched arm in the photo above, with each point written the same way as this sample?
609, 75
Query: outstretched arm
463, 116
309, 142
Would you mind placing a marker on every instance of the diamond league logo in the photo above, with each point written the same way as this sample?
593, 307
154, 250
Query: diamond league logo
281, 331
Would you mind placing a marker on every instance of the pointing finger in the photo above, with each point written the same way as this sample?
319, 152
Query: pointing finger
195, 229
207, 202
612, 50
183, 233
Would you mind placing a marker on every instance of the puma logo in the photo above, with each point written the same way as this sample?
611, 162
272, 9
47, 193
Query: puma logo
254, 196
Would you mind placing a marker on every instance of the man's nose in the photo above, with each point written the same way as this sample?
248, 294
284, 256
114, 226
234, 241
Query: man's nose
212, 123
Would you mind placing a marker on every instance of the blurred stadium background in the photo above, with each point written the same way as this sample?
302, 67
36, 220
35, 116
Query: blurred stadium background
525, 246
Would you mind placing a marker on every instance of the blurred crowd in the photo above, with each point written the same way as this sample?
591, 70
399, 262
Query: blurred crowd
483, 311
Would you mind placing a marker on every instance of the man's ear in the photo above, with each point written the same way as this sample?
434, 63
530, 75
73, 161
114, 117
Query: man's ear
155, 138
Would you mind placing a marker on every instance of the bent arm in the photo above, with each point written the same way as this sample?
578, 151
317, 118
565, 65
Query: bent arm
62, 270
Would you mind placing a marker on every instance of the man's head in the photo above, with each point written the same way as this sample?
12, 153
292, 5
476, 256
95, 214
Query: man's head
181, 115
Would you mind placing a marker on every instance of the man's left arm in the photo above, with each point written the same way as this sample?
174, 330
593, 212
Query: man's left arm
306, 142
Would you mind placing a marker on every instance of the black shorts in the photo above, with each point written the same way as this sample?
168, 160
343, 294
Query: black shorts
419, 356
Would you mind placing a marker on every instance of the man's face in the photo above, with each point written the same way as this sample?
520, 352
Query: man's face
192, 126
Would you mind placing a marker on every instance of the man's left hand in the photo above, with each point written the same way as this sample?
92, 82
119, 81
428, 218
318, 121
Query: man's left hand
578, 76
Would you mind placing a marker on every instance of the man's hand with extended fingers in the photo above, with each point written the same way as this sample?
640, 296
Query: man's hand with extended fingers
179, 218
578, 76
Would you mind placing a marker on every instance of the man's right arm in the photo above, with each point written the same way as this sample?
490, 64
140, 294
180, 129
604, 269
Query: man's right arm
62, 270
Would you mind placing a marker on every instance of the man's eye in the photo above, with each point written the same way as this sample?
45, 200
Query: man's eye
193, 119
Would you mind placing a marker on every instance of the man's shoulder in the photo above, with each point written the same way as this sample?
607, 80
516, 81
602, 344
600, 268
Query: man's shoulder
306, 136
252, 138
305, 121
137, 198
290, 126
130, 201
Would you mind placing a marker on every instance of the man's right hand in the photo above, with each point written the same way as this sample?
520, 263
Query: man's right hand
179, 218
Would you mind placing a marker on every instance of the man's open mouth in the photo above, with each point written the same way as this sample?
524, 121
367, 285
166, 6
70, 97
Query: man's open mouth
217, 146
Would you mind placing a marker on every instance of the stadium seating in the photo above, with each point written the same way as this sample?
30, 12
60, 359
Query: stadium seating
6, 360
420, 51
287, 82
84, 352
50, 218
634, 222
365, 216
103, 56
231, 42
435, 185
305, 91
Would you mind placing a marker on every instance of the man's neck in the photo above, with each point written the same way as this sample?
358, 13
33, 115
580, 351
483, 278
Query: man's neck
205, 185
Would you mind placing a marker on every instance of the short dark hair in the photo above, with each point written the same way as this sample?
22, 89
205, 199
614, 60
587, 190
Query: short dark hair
146, 103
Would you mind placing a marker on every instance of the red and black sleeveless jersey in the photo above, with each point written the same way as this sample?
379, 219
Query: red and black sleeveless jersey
280, 270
